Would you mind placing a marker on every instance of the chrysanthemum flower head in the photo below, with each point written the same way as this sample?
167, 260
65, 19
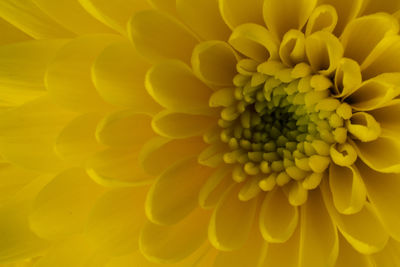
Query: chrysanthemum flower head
200, 133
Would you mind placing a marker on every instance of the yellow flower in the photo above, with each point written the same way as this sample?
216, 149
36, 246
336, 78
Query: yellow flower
199, 133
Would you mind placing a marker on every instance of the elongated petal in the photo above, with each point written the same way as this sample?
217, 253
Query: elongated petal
389, 256
22, 69
80, 23
281, 16
231, 221
278, 218
68, 77
166, 244
358, 235
62, 207
388, 118
382, 190
319, 242
174, 194
349, 257
236, 13
158, 36
31, 20
388, 6
114, 14
193, 13
215, 187
11, 34
118, 74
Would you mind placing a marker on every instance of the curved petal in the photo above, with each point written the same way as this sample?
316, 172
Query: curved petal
28, 17
158, 36
389, 118
347, 77
80, 23
124, 128
114, 14
215, 63
167, 244
194, 12
174, 194
232, 220
117, 167
159, 153
389, 256
323, 18
324, 52
11, 34
363, 34
62, 206
164, 5
68, 77
173, 85
388, 6
292, 50
179, 125
382, 154
278, 218
319, 242
77, 141
382, 191
118, 74
254, 41
349, 257
363, 127
28, 134
280, 16
116, 219
358, 234
23, 67
236, 13
348, 189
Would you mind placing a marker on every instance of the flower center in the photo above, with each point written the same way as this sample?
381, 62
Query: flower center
281, 128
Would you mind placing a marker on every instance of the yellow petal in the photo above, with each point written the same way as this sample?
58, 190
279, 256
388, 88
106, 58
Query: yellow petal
323, 18
158, 36
28, 17
383, 59
115, 14
124, 129
281, 16
179, 125
173, 85
164, 5
252, 253
254, 41
167, 244
22, 69
80, 23
363, 34
356, 228
118, 74
116, 219
77, 141
319, 239
61, 208
292, 49
159, 153
388, 118
278, 218
347, 77
215, 187
28, 134
17, 239
349, 257
324, 52
232, 220
68, 77
389, 256
278, 253
382, 191
11, 34
193, 13
117, 167
388, 6
215, 63
375, 92
175, 192
236, 13
363, 126
382, 154
346, 10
